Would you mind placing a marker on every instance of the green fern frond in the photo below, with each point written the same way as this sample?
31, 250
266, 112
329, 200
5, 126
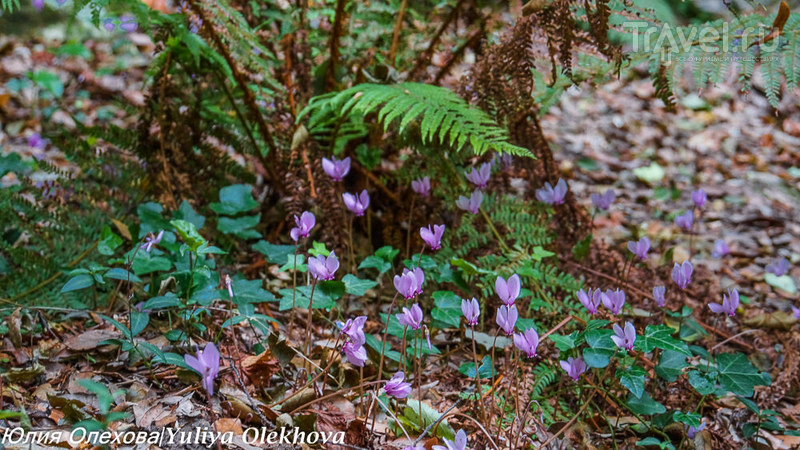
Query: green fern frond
10, 5
442, 117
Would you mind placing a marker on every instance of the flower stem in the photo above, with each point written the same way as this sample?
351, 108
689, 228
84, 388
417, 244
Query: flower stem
308, 322
383, 352
478, 389
294, 290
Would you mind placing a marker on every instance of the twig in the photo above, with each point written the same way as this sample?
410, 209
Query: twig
733, 338
250, 400
425, 56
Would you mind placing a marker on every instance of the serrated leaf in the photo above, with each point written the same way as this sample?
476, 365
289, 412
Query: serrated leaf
356, 286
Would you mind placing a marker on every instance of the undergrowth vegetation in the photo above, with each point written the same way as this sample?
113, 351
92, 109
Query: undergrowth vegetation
304, 183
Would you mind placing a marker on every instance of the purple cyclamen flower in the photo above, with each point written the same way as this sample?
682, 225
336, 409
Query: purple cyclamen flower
396, 387
109, 25
229, 286
207, 364
409, 284
432, 237
471, 310
356, 204
471, 204
604, 201
613, 300
574, 367
624, 338
336, 169
422, 186
411, 317
658, 295
778, 267
480, 177
721, 249
796, 312
729, 303
552, 196
354, 330
506, 318
151, 241
304, 223
427, 335
128, 23
410, 447
460, 442
35, 141
682, 274
356, 353
527, 342
699, 198
323, 268
38, 4
691, 432
507, 291
590, 300
685, 220
640, 247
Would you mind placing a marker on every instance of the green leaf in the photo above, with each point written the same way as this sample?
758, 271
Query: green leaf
275, 254
488, 341
187, 213
375, 344
334, 289
73, 49
122, 328
375, 262
702, 382
188, 233
109, 242
540, 253
49, 81
356, 286
601, 348
650, 174
145, 263
633, 378
738, 375
783, 282
690, 419
139, 321
447, 308
670, 365
292, 264
104, 397
78, 282
250, 291
164, 301
241, 226
660, 336
321, 300
118, 273
429, 416
486, 370
645, 405
150, 219
234, 200
564, 343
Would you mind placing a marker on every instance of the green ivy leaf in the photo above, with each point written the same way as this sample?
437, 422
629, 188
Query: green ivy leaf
145, 263
564, 343
633, 379
601, 348
187, 213
356, 286
241, 226
275, 254
49, 81
118, 273
690, 419
738, 375
703, 383
645, 405
660, 336
234, 199
447, 308
188, 233
670, 365
161, 302
485, 371
109, 242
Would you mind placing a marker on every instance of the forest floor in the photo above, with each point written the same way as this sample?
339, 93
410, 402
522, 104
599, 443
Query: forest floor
731, 145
